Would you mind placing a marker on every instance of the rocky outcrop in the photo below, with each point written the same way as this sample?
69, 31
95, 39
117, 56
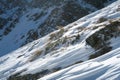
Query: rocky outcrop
55, 13
32, 76
100, 40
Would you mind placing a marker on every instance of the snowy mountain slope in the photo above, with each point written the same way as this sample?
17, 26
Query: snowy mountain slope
87, 38
22, 21
106, 67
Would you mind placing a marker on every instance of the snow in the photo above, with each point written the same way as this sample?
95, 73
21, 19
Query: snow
21, 29
115, 42
107, 12
26, 23
96, 69
68, 58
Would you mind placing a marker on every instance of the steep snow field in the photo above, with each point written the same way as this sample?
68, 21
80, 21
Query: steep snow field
16, 36
106, 67
65, 50
24, 21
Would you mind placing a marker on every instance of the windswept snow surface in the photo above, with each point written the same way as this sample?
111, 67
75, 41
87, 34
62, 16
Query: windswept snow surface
24, 21
68, 56
106, 67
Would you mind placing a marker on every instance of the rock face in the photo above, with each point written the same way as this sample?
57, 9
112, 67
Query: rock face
100, 40
39, 17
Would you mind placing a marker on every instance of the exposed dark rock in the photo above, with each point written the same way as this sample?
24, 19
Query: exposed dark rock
97, 3
100, 39
2, 23
32, 35
54, 13
33, 76
100, 52
73, 11
102, 19
28, 76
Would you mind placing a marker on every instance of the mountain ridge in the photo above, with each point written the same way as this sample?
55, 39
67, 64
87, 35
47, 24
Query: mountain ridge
29, 20
86, 49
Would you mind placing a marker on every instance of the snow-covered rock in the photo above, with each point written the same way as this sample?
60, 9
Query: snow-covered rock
23, 21
65, 53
